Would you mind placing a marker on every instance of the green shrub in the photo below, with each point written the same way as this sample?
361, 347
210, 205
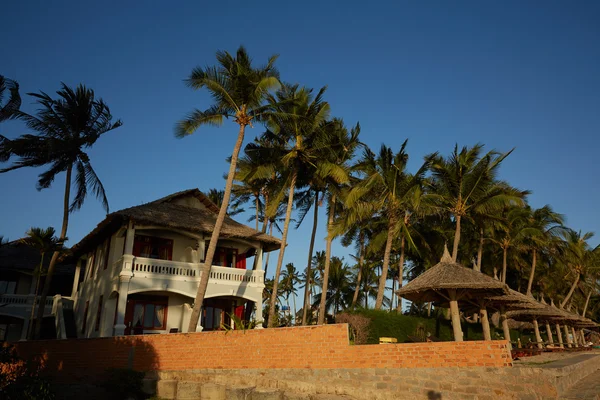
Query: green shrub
124, 383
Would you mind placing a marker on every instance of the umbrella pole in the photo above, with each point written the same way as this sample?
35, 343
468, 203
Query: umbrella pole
559, 336
458, 334
567, 337
505, 328
575, 338
538, 337
582, 336
485, 322
549, 333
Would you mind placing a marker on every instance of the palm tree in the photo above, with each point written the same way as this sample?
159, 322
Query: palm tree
390, 186
579, 258
310, 113
239, 91
465, 181
66, 127
217, 196
44, 241
290, 278
13, 102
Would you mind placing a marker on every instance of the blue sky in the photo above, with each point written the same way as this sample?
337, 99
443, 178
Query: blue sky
508, 74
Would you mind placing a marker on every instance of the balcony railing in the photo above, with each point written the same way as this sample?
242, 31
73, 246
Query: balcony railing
21, 300
149, 267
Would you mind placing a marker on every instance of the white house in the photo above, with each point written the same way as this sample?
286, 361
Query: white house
138, 270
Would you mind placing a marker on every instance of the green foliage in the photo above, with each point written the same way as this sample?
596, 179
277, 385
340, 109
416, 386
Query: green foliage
237, 324
401, 327
124, 384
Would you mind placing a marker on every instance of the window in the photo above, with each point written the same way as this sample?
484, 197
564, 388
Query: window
8, 287
147, 313
85, 315
225, 257
153, 247
99, 314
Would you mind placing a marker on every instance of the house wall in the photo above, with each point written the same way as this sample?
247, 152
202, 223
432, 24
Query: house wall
24, 284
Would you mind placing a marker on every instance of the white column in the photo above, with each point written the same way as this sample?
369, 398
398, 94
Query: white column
122, 305
201, 249
129, 238
259, 258
76, 278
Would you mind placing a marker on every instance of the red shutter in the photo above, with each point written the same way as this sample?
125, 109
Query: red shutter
241, 261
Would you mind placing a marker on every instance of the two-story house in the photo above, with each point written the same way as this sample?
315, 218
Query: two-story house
138, 271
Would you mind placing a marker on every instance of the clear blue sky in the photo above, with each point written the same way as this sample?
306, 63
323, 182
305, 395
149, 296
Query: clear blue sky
521, 74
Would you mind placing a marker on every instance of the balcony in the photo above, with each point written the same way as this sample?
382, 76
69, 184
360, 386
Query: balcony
21, 300
183, 271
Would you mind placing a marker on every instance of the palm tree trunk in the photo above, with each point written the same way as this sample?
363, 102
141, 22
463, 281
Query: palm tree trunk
214, 238
54, 259
538, 337
361, 259
386, 262
456, 238
265, 218
269, 253
294, 302
559, 337
286, 226
573, 286
307, 302
37, 289
401, 274
504, 254
480, 250
456, 328
322, 305
532, 274
393, 291
587, 301
256, 203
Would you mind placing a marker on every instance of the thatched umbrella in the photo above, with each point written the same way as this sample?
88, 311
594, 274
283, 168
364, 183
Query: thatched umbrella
544, 313
513, 301
450, 282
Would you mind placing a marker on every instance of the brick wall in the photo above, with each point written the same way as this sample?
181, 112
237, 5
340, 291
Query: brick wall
315, 347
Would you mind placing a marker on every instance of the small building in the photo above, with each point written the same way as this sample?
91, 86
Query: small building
18, 261
138, 271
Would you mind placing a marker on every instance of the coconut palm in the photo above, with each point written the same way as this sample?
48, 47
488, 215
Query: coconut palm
290, 278
339, 291
66, 127
550, 226
9, 88
389, 186
301, 148
217, 196
465, 181
239, 91
44, 241
579, 258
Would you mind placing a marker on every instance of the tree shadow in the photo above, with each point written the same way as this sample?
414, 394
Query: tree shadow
433, 395
85, 368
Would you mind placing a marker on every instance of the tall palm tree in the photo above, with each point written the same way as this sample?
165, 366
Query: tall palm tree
389, 186
66, 127
310, 113
550, 226
239, 91
44, 241
579, 257
217, 196
464, 181
9, 88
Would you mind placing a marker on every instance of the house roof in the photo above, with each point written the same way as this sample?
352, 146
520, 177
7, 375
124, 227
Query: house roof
18, 256
432, 284
165, 212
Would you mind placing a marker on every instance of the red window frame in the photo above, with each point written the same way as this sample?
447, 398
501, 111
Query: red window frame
145, 302
99, 314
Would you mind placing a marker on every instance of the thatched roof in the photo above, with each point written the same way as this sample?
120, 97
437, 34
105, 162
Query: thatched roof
513, 301
547, 313
167, 212
433, 284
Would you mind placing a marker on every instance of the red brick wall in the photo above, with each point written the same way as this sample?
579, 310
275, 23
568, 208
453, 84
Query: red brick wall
317, 347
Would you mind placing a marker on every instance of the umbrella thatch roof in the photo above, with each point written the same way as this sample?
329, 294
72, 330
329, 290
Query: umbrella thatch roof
547, 313
433, 284
513, 300
175, 212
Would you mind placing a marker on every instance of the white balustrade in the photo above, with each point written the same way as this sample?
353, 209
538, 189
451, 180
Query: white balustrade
236, 275
165, 267
22, 299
